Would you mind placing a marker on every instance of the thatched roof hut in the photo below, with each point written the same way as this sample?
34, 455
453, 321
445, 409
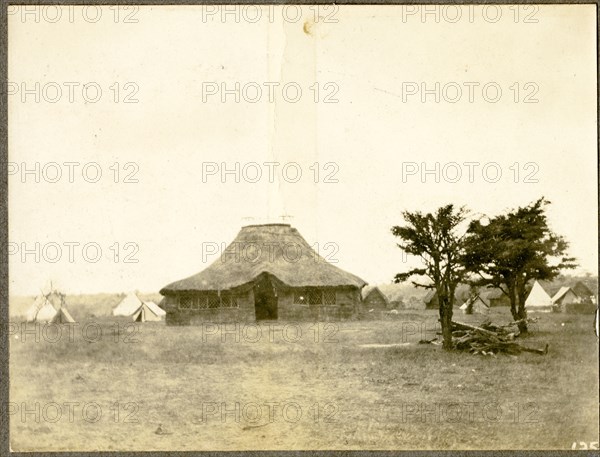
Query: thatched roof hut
583, 291
277, 249
373, 298
266, 272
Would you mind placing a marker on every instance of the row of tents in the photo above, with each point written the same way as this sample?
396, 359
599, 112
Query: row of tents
51, 308
566, 299
578, 298
140, 311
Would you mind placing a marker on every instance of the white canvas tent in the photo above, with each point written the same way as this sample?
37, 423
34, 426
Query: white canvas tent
149, 311
46, 313
62, 316
35, 307
42, 310
128, 306
565, 296
538, 300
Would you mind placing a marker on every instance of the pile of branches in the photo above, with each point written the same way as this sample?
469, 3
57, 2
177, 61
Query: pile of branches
489, 339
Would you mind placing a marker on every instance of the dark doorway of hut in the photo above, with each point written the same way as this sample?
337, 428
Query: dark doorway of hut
265, 299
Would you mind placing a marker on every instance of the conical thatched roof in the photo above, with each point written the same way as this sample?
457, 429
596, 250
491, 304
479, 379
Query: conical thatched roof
277, 249
374, 290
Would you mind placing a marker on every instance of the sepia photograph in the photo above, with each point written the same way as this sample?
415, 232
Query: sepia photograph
300, 227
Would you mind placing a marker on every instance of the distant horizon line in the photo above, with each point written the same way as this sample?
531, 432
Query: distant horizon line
138, 292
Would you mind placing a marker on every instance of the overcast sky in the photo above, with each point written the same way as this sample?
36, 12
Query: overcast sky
516, 89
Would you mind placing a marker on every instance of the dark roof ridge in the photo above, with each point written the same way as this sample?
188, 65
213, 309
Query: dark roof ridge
266, 225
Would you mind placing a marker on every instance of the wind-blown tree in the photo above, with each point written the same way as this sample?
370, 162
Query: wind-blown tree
513, 249
434, 238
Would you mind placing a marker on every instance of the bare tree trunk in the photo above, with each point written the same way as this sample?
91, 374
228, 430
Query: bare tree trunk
513, 306
517, 309
446, 321
522, 315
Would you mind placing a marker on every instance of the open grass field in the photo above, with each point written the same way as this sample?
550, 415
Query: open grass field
346, 385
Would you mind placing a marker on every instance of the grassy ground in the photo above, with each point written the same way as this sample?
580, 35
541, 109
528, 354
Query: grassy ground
324, 389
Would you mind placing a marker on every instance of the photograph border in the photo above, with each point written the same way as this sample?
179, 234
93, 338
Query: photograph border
4, 274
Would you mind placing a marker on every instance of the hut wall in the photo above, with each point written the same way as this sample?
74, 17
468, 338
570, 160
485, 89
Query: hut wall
345, 307
411, 303
243, 313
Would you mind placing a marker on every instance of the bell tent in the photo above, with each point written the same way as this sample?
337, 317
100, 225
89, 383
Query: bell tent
43, 310
149, 312
128, 306
538, 299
